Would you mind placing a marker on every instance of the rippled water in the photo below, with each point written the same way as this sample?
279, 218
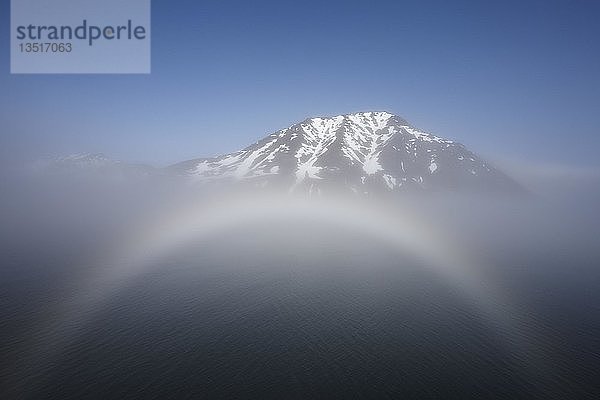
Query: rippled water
233, 317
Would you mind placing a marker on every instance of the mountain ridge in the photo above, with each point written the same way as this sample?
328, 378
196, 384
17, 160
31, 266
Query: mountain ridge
365, 152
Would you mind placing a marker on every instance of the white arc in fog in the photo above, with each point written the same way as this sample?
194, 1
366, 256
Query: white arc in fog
174, 230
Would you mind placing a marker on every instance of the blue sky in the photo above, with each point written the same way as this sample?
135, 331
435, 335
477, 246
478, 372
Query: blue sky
511, 80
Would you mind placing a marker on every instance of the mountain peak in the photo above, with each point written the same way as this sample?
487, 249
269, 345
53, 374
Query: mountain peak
363, 152
85, 158
359, 114
377, 117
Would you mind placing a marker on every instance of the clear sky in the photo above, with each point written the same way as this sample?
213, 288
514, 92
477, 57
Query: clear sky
509, 79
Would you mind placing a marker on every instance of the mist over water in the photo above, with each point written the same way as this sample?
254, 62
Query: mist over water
154, 290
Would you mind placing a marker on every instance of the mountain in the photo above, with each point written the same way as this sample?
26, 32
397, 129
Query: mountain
86, 165
364, 152
83, 161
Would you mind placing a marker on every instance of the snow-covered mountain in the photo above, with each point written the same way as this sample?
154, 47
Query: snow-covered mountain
363, 152
82, 161
93, 165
